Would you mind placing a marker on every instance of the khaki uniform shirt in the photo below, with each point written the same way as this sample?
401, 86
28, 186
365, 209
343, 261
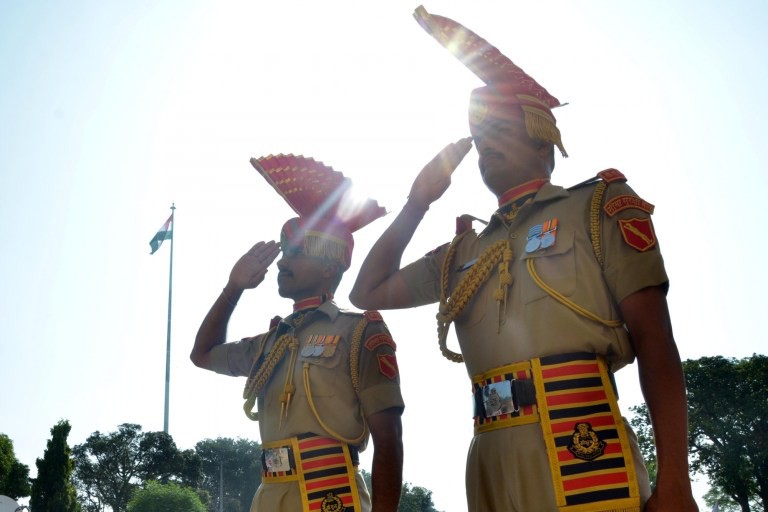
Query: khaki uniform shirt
507, 469
533, 324
329, 381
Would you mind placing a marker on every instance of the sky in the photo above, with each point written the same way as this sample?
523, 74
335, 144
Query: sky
113, 111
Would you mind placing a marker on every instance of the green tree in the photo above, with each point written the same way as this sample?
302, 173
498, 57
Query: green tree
641, 423
109, 467
728, 418
238, 462
415, 499
170, 497
728, 428
52, 490
412, 499
14, 476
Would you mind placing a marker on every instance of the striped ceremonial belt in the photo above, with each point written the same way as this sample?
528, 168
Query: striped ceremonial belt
574, 400
515, 406
324, 468
589, 453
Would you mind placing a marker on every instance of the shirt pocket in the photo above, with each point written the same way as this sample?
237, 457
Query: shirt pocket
555, 267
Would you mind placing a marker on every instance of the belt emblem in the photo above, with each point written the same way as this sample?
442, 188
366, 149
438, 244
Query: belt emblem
332, 503
497, 399
277, 459
585, 444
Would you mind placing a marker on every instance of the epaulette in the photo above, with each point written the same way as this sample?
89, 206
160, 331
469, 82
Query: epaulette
373, 316
611, 175
275, 320
606, 176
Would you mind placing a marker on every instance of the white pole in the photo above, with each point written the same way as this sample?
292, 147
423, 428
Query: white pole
168, 341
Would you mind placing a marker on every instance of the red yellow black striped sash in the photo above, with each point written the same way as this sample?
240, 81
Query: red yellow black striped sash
324, 468
589, 453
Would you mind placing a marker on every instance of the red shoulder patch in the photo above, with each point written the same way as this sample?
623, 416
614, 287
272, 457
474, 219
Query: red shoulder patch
611, 175
638, 233
379, 339
373, 316
625, 201
273, 323
388, 365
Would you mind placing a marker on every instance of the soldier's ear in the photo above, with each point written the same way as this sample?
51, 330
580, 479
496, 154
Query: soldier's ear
546, 151
331, 269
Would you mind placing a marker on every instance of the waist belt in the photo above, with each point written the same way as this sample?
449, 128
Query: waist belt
572, 397
504, 397
324, 468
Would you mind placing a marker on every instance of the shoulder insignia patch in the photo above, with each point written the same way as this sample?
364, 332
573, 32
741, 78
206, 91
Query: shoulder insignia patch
373, 316
273, 323
585, 444
388, 365
376, 340
611, 175
638, 233
625, 201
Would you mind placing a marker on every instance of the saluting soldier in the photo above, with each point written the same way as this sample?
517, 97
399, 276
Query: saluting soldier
561, 288
320, 380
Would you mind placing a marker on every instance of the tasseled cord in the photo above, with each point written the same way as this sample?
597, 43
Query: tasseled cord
505, 281
289, 389
453, 305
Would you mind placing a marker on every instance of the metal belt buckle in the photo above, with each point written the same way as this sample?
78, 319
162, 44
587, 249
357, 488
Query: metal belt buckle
498, 399
277, 459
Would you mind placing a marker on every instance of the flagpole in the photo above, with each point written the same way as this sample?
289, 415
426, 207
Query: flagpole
168, 340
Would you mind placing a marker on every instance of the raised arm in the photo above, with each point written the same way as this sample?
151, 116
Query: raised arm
663, 385
248, 272
379, 285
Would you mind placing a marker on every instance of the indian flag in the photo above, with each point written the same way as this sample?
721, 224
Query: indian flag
164, 233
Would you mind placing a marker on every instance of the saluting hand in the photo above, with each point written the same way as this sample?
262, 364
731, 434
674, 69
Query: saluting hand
435, 178
250, 269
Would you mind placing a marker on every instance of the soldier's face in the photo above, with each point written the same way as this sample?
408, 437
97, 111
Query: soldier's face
300, 276
508, 156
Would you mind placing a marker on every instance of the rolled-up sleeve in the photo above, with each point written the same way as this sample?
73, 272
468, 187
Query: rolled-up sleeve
235, 359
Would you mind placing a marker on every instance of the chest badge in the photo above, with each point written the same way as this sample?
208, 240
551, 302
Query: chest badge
585, 444
319, 345
541, 236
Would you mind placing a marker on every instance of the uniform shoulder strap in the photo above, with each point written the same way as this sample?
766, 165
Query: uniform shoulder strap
603, 179
354, 348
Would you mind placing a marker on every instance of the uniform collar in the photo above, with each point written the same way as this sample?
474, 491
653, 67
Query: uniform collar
520, 193
327, 308
547, 192
311, 302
